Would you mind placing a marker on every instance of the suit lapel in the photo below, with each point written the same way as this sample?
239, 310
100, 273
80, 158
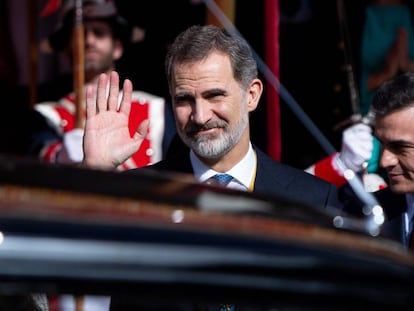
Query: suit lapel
265, 181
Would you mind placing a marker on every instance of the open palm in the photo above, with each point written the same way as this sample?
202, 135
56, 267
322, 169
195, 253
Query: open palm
107, 141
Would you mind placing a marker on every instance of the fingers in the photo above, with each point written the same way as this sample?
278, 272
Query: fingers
126, 97
361, 127
358, 140
107, 95
90, 101
104, 100
363, 150
113, 91
142, 130
101, 102
358, 132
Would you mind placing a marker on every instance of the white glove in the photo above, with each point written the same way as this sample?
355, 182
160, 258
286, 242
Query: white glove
90, 303
357, 146
72, 147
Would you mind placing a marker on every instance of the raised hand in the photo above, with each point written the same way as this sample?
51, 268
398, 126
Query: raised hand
357, 146
107, 142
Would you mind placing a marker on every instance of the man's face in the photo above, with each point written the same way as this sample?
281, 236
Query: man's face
396, 133
101, 50
210, 107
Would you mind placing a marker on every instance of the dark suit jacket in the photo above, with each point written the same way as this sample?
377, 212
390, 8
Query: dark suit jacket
394, 206
272, 179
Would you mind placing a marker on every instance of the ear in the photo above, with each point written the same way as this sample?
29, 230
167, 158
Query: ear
118, 50
254, 92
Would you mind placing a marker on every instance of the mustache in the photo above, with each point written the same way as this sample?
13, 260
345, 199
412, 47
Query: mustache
92, 49
194, 128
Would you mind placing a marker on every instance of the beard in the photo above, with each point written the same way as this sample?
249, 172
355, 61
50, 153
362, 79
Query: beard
96, 66
213, 146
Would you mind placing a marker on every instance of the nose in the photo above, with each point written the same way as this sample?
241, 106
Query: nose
388, 158
89, 35
201, 112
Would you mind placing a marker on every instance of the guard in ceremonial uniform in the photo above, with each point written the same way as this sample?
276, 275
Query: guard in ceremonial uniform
61, 117
60, 137
106, 34
356, 150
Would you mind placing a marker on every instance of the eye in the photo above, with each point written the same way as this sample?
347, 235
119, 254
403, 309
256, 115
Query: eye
215, 95
398, 148
180, 100
98, 32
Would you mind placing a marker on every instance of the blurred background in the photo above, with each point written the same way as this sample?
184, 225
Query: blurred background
309, 56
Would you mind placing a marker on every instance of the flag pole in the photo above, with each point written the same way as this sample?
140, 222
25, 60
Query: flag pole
32, 51
79, 82
79, 63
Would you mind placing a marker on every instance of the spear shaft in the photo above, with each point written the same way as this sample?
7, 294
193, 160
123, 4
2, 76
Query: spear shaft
78, 83
79, 63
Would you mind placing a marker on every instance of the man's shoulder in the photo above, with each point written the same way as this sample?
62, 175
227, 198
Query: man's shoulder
265, 159
56, 109
285, 173
178, 161
393, 203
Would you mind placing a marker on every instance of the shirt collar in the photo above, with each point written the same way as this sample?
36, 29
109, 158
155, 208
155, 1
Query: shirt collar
242, 172
410, 205
408, 215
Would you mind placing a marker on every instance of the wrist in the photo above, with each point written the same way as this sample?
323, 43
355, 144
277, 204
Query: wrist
94, 164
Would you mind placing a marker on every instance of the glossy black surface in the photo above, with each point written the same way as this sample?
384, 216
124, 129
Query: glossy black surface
270, 258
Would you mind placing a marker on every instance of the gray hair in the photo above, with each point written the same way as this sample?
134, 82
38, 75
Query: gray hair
198, 42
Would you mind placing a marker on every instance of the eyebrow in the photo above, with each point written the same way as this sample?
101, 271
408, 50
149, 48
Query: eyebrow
207, 93
183, 96
398, 142
214, 92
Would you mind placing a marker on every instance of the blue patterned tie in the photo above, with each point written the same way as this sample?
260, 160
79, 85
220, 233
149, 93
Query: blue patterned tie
222, 179
411, 236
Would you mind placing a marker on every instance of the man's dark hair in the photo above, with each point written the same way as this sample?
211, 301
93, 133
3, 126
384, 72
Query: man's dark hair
394, 95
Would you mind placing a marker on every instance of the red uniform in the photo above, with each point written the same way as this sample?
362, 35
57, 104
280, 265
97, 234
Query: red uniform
326, 170
61, 116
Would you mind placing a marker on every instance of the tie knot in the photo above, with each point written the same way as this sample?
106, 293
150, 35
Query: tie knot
222, 179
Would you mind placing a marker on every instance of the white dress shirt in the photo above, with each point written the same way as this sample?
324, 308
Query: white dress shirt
243, 172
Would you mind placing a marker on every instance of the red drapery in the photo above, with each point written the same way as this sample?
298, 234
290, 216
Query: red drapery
271, 42
271, 11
